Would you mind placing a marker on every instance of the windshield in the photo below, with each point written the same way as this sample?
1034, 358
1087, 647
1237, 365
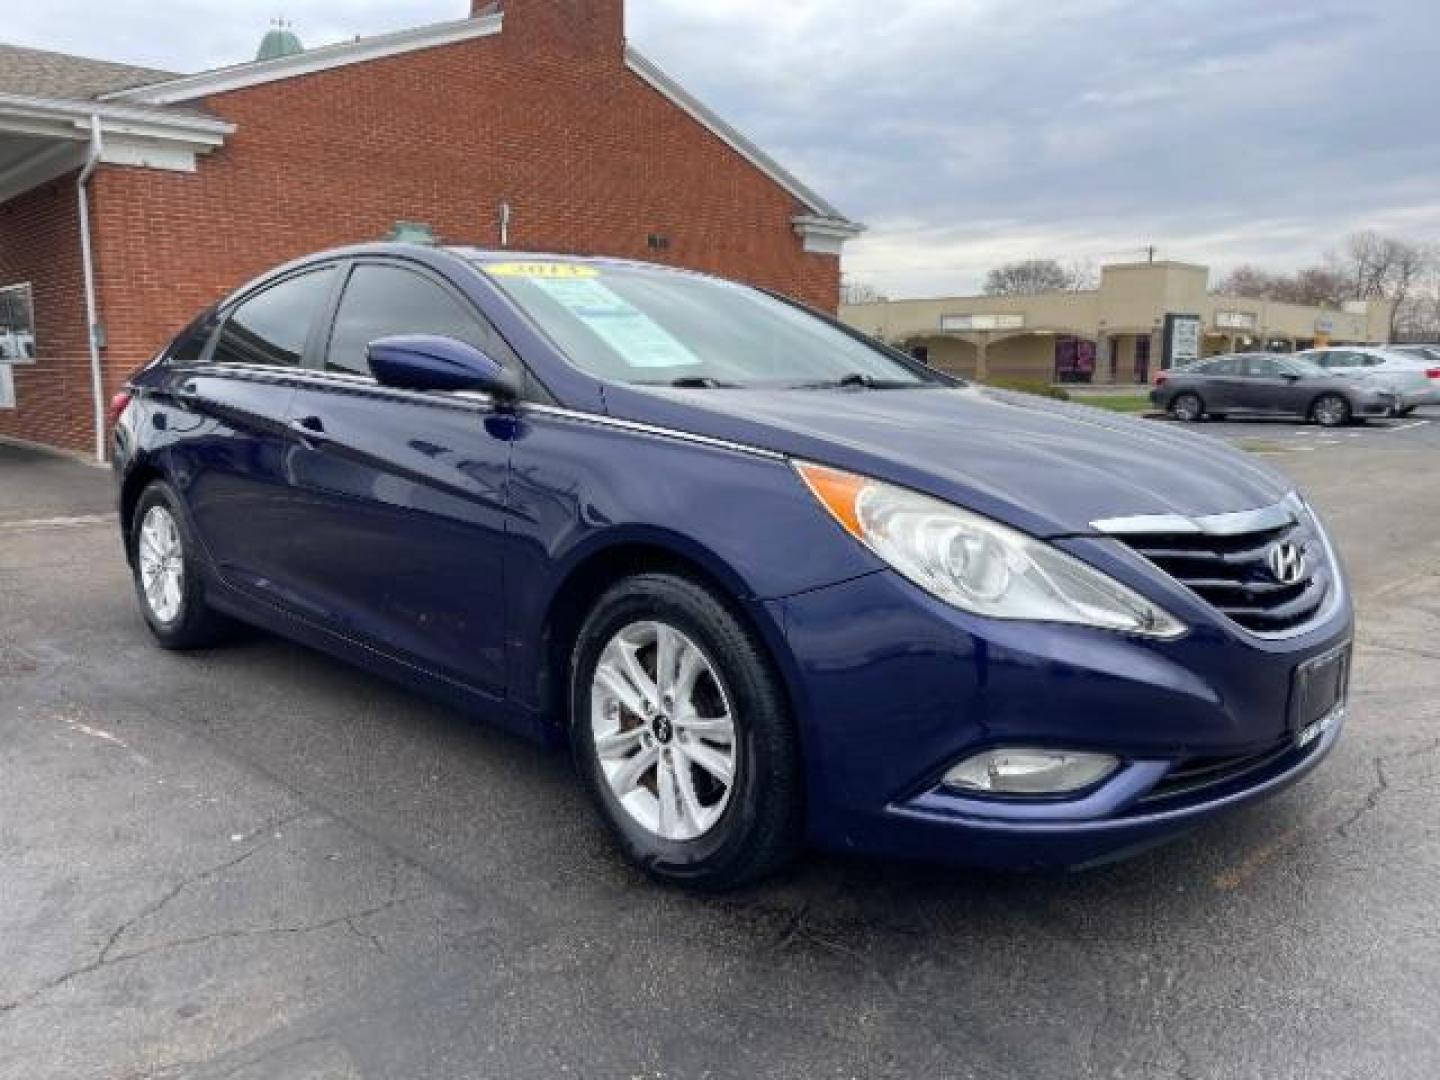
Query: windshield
658, 327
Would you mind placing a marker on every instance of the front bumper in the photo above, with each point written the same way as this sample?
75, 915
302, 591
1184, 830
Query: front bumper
1379, 404
894, 687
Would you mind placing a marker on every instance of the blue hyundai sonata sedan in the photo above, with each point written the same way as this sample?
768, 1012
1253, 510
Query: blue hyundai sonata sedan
771, 581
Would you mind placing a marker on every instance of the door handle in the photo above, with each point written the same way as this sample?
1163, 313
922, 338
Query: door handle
186, 394
311, 430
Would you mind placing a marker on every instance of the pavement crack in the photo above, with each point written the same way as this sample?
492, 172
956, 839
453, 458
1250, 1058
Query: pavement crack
1372, 799
351, 923
265, 931
104, 957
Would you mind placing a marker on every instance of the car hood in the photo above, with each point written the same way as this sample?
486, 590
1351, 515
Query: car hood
1048, 467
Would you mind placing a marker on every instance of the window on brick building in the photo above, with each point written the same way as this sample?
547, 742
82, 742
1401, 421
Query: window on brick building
17, 324
7, 387
272, 326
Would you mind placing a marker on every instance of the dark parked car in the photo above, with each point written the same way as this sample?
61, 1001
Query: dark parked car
768, 579
1263, 384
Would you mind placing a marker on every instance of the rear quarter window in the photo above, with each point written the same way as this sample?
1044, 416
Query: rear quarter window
189, 345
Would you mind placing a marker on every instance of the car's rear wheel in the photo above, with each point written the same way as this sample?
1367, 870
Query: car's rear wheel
168, 576
1330, 410
683, 736
1187, 407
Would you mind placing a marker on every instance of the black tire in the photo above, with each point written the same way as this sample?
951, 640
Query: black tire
1187, 407
195, 625
760, 828
1331, 411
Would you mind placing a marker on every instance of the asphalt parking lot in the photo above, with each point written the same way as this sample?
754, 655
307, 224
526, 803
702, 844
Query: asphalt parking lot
258, 863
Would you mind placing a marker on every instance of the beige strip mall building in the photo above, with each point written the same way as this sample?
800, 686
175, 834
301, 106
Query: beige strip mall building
1144, 316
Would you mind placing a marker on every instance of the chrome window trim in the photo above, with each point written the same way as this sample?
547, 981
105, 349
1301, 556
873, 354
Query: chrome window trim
351, 380
486, 401
1288, 511
653, 429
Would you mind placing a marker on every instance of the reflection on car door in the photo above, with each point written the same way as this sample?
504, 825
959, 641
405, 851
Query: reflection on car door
405, 491
1224, 384
228, 410
1266, 388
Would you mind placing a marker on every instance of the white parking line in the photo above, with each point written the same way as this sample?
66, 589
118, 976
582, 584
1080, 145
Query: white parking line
1407, 427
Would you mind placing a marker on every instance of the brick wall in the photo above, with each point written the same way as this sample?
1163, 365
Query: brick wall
40, 243
544, 116
590, 158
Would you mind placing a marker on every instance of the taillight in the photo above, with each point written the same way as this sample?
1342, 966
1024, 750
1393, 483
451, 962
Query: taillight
1432, 373
118, 404
1160, 378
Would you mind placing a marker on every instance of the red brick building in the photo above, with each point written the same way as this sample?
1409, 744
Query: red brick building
529, 124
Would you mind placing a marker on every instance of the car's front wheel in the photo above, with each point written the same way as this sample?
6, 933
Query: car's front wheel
1330, 410
683, 736
167, 572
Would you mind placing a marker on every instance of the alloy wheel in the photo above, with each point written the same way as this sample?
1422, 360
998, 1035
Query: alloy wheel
663, 730
162, 564
1186, 407
1331, 411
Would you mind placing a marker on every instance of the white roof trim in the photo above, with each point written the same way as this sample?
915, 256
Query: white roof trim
825, 235
152, 138
238, 77
71, 119
648, 70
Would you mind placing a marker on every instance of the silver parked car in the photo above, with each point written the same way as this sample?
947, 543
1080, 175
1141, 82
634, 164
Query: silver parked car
1265, 384
1414, 378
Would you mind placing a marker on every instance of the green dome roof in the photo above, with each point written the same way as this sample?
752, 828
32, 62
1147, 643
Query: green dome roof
279, 41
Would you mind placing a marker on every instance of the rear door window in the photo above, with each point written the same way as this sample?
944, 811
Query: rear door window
381, 300
272, 326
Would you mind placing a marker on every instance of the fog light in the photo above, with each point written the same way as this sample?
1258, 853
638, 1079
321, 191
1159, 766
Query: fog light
1030, 772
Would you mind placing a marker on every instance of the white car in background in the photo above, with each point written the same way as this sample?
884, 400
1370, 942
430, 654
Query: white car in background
1414, 377
1429, 354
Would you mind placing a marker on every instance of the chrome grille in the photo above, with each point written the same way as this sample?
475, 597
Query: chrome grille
1225, 561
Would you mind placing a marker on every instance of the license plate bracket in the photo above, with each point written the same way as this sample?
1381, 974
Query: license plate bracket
1319, 688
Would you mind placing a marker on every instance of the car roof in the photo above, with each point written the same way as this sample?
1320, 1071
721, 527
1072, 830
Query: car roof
436, 255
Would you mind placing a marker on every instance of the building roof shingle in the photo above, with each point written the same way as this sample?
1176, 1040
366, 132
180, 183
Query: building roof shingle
38, 73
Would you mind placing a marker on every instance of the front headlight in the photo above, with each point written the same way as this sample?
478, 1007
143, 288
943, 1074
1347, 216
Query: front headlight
979, 565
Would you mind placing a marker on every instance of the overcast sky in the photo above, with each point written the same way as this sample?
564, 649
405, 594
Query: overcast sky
969, 132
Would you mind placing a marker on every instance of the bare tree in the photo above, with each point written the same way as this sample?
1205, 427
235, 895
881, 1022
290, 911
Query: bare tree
1028, 276
860, 292
1417, 317
1317, 286
1247, 281
1376, 267
1083, 275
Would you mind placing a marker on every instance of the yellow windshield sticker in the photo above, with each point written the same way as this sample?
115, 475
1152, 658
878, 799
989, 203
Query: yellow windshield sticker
543, 270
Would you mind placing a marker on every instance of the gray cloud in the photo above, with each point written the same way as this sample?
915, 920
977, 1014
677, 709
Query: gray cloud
966, 133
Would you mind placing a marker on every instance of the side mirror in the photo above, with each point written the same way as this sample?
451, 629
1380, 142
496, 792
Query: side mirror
432, 362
